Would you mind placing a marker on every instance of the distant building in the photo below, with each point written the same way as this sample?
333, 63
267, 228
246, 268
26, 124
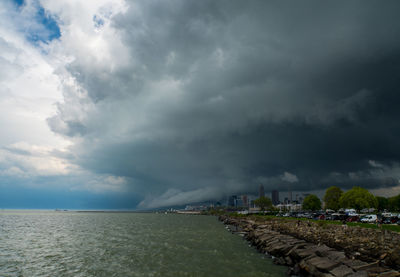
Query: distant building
196, 208
275, 197
262, 192
245, 201
232, 201
290, 196
250, 200
289, 207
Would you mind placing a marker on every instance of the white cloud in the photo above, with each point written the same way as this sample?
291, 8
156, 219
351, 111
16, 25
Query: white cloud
103, 184
29, 90
27, 161
178, 197
375, 164
289, 177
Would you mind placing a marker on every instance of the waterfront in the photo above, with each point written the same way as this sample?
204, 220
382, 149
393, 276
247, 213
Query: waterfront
43, 243
312, 249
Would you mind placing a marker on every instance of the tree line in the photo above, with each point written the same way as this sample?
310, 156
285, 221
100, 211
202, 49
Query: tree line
357, 198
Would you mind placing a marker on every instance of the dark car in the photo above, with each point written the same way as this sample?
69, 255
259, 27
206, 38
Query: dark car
328, 217
339, 216
315, 216
354, 218
389, 220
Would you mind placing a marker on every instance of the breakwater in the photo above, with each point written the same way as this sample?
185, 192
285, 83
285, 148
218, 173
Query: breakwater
318, 249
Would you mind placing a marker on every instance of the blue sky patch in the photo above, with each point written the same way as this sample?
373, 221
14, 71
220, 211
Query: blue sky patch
19, 2
52, 31
98, 21
38, 27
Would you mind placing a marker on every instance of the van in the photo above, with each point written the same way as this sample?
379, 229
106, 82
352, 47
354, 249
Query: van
369, 218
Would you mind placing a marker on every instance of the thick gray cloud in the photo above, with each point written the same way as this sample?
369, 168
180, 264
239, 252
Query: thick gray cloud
211, 97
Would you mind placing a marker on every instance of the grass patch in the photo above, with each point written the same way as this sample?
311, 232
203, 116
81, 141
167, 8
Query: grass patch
363, 225
322, 223
394, 228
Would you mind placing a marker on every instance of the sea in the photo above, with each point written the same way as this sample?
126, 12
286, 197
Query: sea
51, 243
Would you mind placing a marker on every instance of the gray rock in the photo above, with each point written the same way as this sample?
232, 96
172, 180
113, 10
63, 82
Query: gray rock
341, 271
359, 274
323, 264
390, 274
366, 266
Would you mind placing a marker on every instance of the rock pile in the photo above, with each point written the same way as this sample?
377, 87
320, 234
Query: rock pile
326, 250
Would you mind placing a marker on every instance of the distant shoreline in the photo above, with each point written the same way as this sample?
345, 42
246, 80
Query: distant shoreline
74, 211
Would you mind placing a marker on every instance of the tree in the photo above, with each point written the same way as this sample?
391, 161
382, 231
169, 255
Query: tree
311, 203
331, 198
394, 203
263, 202
383, 203
358, 198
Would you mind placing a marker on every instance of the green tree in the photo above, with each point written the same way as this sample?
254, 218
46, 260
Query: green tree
263, 202
383, 203
358, 198
394, 203
311, 203
331, 198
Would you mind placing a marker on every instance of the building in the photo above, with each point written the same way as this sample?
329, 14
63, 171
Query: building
239, 202
232, 201
262, 193
275, 197
289, 207
286, 200
245, 201
250, 200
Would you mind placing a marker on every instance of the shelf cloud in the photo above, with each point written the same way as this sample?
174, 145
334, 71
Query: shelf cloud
188, 101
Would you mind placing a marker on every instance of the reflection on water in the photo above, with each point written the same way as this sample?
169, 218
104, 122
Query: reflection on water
36, 243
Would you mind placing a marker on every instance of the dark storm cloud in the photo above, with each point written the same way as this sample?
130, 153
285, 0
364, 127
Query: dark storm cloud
218, 95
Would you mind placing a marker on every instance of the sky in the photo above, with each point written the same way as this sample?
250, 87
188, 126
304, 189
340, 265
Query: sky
123, 104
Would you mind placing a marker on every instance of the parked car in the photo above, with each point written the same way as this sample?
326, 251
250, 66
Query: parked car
293, 214
370, 218
387, 215
386, 220
350, 212
316, 216
328, 217
339, 216
389, 220
307, 215
354, 218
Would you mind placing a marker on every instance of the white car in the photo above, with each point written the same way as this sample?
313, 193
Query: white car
369, 218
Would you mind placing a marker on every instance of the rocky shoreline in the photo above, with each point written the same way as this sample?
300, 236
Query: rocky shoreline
311, 249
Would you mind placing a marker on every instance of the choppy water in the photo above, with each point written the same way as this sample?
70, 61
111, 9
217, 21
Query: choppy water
36, 243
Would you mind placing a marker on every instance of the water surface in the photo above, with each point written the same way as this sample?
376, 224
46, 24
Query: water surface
40, 243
